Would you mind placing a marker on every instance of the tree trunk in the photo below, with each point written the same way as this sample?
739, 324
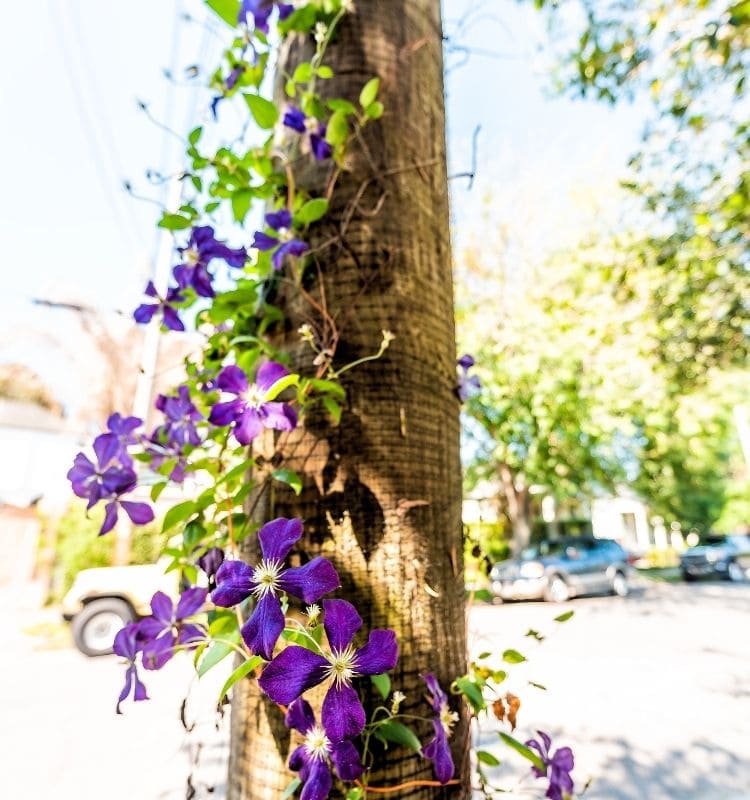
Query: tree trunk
518, 502
381, 491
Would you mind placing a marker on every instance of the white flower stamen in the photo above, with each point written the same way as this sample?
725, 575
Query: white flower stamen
191, 256
253, 396
343, 666
266, 576
317, 744
448, 718
313, 612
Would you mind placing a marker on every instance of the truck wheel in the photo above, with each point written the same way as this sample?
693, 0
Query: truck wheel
94, 628
620, 585
556, 591
735, 572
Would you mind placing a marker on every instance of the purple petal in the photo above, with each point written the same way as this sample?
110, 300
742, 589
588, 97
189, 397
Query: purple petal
279, 220
211, 560
278, 536
140, 690
129, 675
145, 313
300, 716
294, 671
346, 760
139, 513
172, 319
563, 759
161, 608
233, 380
466, 361
294, 118
268, 374
126, 641
191, 635
299, 759
262, 241
157, 653
248, 426
234, 583
294, 247
321, 150
117, 480
341, 622
106, 447
150, 290
226, 413
438, 751
342, 714
285, 9
279, 416
310, 581
380, 654
191, 602
263, 628
318, 783
110, 518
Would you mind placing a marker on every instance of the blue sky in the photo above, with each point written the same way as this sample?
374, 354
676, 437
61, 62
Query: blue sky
70, 81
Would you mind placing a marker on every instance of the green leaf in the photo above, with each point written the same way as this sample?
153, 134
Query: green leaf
228, 10
484, 595
264, 111
322, 385
487, 758
177, 514
538, 686
289, 477
291, 789
338, 128
526, 752
245, 668
303, 72
312, 211
472, 693
382, 683
397, 733
325, 72
482, 656
513, 657
375, 110
217, 652
344, 106
241, 200
157, 489
565, 617
355, 793
369, 92
277, 388
333, 408
195, 135
174, 222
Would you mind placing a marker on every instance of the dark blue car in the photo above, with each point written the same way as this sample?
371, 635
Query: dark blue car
563, 569
718, 557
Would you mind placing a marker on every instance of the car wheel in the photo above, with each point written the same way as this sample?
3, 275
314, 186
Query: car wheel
557, 590
620, 585
735, 571
94, 628
687, 577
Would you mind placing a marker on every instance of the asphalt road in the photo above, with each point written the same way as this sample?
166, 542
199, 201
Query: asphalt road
652, 692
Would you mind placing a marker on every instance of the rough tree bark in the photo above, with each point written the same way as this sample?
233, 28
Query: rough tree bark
382, 491
518, 503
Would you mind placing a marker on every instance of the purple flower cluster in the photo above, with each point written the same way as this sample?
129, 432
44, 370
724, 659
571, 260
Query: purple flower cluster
283, 242
201, 249
261, 10
312, 129
111, 476
157, 636
557, 767
249, 412
468, 385
177, 434
438, 750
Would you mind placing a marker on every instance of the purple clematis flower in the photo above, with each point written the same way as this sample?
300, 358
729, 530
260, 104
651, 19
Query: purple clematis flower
468, 385
261, 10
145, 312
284, 243
108, 479
179, 429
296, 669
558, 767
236, 581
201, 249
314, 757
295, 119
438, 750
250, 412
127, 645
124, 429
166, 627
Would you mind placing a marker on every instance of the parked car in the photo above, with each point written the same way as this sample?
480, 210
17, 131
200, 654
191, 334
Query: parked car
563, 569
718, 556
104, 599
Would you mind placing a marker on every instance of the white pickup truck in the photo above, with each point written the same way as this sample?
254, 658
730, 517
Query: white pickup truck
103, 600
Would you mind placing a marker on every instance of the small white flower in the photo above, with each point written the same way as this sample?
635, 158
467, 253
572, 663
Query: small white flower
396, 700
388, 337
321, 31
348, 6
313, 612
